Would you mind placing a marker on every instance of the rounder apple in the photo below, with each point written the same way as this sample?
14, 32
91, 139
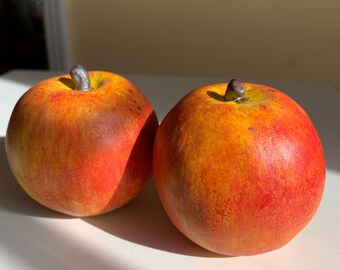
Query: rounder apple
239, 168
82, 144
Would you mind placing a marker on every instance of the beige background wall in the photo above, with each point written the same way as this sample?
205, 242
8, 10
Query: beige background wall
263, 39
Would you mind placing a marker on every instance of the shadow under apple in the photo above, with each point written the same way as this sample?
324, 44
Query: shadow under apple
143, 221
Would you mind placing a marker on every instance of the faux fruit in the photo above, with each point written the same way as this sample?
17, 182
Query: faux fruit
82, 145
239, 168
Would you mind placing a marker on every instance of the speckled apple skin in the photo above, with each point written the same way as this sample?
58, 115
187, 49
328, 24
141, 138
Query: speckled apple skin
239, 178
82, 153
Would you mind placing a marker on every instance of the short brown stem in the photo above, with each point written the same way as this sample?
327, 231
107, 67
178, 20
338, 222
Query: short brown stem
81, 78
235, 91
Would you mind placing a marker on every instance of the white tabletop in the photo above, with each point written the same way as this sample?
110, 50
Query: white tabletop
139, 235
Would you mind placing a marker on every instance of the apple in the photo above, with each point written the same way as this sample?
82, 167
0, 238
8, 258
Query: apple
239, 168
82, 144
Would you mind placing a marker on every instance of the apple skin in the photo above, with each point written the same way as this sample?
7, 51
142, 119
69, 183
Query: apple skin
239, 178
82, 153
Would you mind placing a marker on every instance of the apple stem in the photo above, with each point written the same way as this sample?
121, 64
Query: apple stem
81, 78
235, 91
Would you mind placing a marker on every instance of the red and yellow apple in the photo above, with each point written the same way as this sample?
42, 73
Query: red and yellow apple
82, 151
239, 168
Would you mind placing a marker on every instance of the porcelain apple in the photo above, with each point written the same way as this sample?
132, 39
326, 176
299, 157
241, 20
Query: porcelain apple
239, 168
82, 145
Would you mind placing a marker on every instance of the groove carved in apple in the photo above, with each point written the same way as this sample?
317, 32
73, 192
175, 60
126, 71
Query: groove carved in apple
239, 168
82, 144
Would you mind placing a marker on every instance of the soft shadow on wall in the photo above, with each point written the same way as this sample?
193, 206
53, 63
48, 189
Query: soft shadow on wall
258, 40
22, 35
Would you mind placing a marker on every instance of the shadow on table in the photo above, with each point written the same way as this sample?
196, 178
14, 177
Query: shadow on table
32, 244
143, 221
12, 196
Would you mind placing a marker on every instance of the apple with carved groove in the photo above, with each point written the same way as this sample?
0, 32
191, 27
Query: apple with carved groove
82, 144
239, 168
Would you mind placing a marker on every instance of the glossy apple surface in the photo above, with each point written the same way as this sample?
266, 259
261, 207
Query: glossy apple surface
82, 153
239, 178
